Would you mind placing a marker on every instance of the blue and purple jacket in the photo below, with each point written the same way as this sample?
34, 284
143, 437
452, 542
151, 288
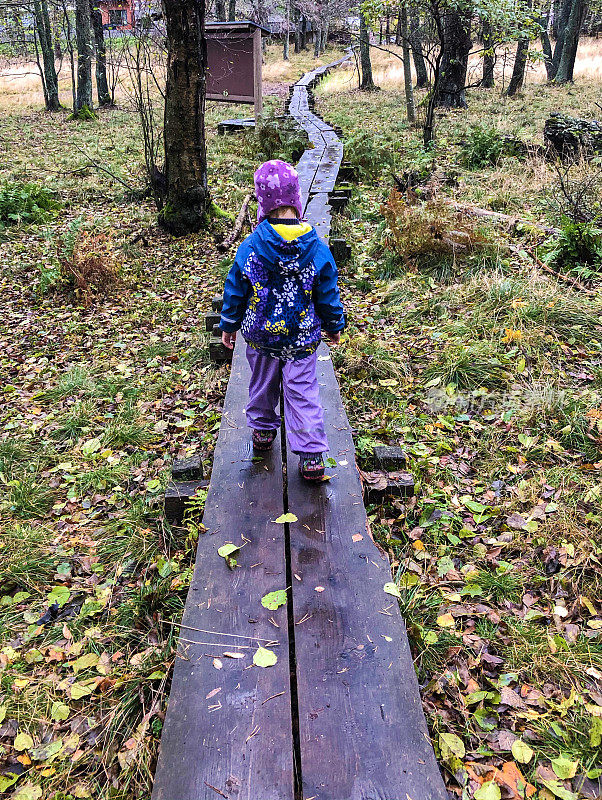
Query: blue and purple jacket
281, 294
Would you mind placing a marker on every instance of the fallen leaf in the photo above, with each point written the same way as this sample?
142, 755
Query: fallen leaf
488, 791
450, 744
264, 657
23, 741
392, 589
274, 600
286, 518
564, 767
521, 751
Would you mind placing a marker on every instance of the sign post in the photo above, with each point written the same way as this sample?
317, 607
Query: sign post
234, 63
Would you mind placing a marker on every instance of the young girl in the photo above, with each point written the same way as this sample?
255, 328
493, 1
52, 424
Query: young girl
282, 292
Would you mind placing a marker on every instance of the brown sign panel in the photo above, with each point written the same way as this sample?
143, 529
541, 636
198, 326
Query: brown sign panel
234, 63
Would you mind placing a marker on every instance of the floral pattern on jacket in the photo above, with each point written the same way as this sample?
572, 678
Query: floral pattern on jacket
281, 294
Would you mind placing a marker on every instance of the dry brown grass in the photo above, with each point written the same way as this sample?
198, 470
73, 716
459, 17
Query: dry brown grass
91, 268
388, 68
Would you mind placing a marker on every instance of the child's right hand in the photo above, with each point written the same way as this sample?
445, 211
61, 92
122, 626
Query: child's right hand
228, 339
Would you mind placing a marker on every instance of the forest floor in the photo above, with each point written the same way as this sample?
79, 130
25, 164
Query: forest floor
485, 368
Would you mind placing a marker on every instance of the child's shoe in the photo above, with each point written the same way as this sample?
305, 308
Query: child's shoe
311, 466
263, 440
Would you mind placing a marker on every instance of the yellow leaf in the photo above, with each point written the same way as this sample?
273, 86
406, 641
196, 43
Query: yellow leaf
445, 621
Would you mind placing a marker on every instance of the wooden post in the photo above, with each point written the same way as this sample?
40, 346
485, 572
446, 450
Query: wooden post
257, 58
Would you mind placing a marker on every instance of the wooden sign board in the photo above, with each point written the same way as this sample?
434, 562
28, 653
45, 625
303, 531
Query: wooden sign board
234, 63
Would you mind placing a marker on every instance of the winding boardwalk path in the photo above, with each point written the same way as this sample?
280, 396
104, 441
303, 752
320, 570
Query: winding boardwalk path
339, 716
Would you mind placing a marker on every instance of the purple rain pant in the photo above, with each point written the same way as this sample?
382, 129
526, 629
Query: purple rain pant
303, 413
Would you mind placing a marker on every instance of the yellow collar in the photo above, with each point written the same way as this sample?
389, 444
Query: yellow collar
292, 232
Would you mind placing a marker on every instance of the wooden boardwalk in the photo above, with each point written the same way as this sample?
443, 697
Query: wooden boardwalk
339, 716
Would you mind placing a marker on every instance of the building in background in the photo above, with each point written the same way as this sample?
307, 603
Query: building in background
118, 14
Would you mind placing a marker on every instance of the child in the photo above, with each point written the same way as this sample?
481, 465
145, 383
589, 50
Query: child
281, 292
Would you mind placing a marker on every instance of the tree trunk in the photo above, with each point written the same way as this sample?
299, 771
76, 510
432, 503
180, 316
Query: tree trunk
457, 44
220, 10
398, 27
518, 70
83, 37
561, 18
546, 47
69, 35
571, 42
488, 81
287, 34
367, 84
102, 85
324, 42
297, 18
49, 76
416, 45
231, 10
317, 39
407, 67
187, 195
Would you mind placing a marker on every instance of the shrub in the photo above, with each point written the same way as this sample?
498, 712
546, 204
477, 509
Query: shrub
26, 203
276, 138
483, 147
370, 154
577, 248
424, 233
82, 260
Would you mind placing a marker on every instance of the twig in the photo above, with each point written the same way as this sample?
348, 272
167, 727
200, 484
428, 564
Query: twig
219, 791
279, 694
238, 225
216, 633
104, 169
566, 278
485, 212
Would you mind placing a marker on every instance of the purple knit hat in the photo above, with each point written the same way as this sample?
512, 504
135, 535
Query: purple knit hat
277, 184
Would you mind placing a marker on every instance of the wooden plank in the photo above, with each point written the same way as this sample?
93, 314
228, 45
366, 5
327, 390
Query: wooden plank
317, 212
223, 733
362, 730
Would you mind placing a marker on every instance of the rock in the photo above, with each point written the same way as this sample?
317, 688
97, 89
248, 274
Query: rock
571, 137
